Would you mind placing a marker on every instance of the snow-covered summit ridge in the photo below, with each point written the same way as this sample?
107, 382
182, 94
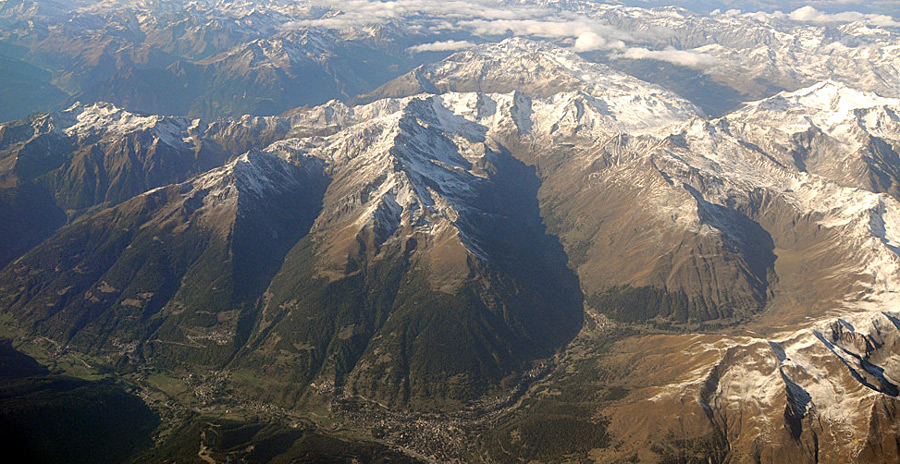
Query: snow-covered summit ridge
543, 70
99, 119
219, 196
837, 99
829, 128
254, 173
813, 148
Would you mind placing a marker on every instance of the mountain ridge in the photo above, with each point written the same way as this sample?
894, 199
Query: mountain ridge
518, 251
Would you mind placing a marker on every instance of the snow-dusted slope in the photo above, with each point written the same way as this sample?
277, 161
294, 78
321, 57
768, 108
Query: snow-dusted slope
415, 161
95, 154
820, 155
412, 161
828, 129
817, 372
829, 105
751, 51
100, 120
731, 187
828, 151
539, 69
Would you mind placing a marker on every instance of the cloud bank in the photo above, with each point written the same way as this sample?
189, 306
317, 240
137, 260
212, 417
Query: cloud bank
444, 46
686, 58
477, 17
810, 15
344, 14
494, 18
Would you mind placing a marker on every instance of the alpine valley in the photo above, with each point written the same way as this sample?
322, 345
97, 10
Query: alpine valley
449, 231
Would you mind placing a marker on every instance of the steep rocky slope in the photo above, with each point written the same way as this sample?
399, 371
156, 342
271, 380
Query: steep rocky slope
180, 264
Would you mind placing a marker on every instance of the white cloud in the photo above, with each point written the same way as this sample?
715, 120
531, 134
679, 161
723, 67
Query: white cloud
490, 18
355, 13
444, 46
588, 34
680, 57
883, 21
810, 15
532, 27
478, 17
589, 41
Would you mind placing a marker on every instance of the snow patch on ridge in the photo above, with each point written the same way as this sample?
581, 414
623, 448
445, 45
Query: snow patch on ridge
104, 118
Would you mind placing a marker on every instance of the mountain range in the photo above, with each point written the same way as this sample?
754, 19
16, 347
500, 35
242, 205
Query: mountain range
669, 237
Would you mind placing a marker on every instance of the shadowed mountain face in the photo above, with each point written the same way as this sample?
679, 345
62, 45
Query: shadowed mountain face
26, 89
62, 164
415, 317
598, 186
398, 270
58, 166
188, 260
52, 418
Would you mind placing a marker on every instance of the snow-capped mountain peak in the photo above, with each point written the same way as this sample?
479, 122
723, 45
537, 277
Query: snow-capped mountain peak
837, 99
98, 119
541, 70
